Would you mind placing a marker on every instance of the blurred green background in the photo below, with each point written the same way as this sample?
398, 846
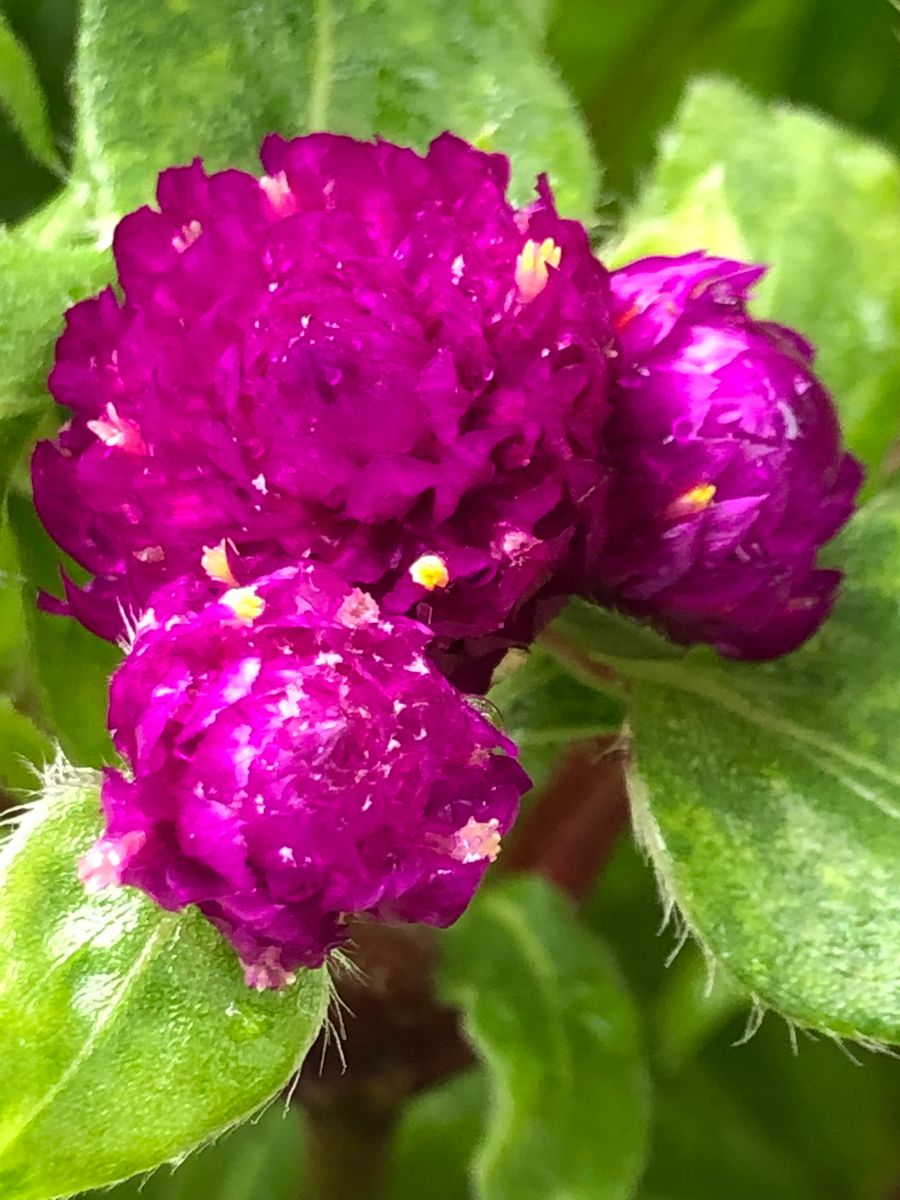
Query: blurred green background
628, 60
754, 1123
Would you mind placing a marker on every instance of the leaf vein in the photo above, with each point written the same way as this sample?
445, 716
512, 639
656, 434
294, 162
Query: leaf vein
734, 702
534, 953
322, 66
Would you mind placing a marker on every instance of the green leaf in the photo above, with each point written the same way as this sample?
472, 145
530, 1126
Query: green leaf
608, 632
778, 185
706, 1147
835, 1117
127, 1035
814, 1119
696, 1000
627, 63
769, 798
437, 1137
12, 617
71, 665
405, 69
37, 283
23, 749
22, 98
540, 704
262, 1160
538, 14
544, 1007
623, 909
544, 709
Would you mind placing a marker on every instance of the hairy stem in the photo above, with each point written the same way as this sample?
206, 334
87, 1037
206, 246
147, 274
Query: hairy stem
348, 1153
396, 1039
577, 819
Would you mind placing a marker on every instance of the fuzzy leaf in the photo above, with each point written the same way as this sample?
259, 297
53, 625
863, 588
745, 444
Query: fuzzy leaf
769, 797
37, 283
261, 1160
773, 184
127, 1034
405, 69
544, 1007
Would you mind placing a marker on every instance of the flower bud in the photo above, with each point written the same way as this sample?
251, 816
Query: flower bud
729, 473
295, 761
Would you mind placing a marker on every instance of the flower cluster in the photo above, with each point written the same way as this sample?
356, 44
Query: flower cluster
300, 761
366, 357
347, 433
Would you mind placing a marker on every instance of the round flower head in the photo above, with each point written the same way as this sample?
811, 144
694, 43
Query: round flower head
296, 761
729, 472
367, 357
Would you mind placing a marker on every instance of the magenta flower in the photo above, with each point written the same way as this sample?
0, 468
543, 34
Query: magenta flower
296, 761
729, 469
368, 358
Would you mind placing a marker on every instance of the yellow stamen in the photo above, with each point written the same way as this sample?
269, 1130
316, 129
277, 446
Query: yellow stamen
693, 501
215, 563
532, 266
430, 572
244, 603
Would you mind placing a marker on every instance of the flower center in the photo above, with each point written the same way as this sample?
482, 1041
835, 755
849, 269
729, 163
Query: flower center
430, 572
244, 603
692, 502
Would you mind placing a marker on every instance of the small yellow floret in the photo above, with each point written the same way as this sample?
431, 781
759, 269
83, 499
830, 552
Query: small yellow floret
532, 266
430, 572
693, 501
215, 563
244, 603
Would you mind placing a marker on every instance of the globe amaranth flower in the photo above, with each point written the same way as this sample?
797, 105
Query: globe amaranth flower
295, 761
366, 357
729, 468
